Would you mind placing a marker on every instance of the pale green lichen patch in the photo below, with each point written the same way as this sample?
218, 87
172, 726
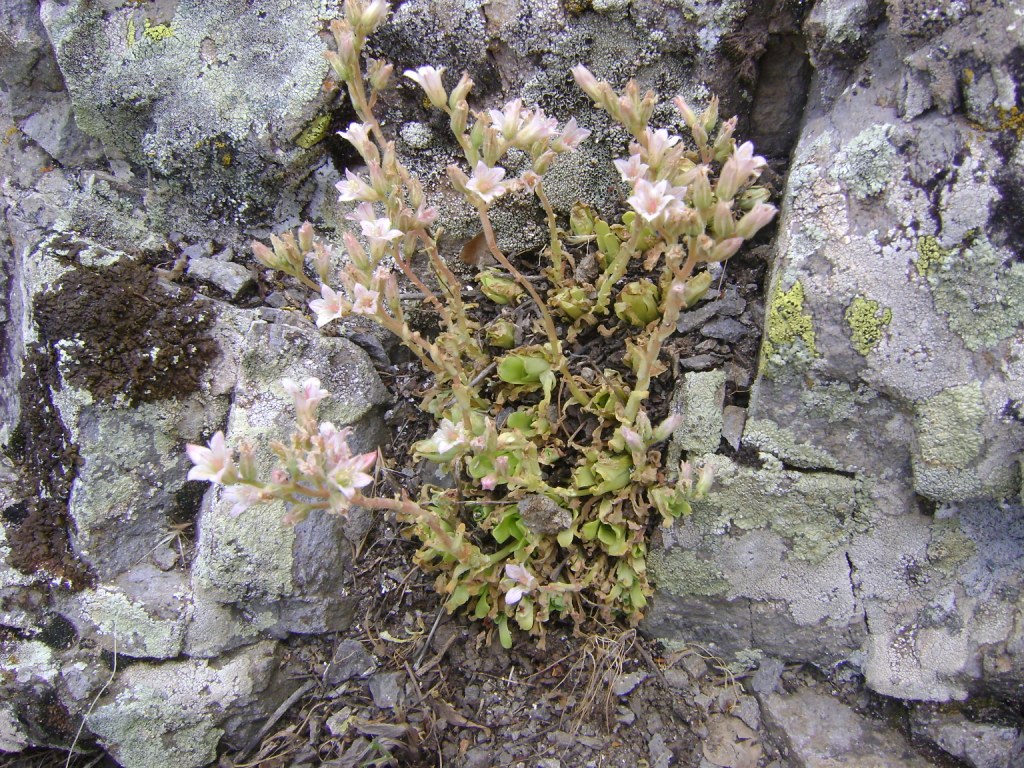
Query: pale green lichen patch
949, 442
698, 399
779, 441
950, 548
949, 426
866, 320
682, 572
867, 162
978, 287
789, 328
137, 631
814, 512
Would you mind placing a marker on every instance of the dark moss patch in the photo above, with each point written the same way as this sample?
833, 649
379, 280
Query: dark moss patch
57, 632
37, 526
123, 335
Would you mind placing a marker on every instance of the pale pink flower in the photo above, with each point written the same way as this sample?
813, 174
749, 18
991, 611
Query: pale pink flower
364, 301
650, 200
330, 306
426, 215
526, 582
571, 136
429, 79
380, 231
486, 182
530, 180
449, 435
241, 497
307, 396
509, 119
355, 188
358, 135
362, 212
657, 143
738, 170
633, 169
348, 477
536, 127
212, 463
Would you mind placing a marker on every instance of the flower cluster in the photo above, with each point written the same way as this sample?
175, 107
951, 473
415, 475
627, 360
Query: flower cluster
557, 467
316, 470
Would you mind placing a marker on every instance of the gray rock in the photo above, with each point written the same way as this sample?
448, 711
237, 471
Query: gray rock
175, 714
733, 420
980, 745
387, 689
725, 329
821, 732
767, 678
626, 683
698, 362
350, 660
233, 279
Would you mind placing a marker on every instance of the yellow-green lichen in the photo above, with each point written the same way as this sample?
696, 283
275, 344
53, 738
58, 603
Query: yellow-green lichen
979, 288
866, 319
788, 324
156, 32
314, 133
1012, 120
929, 254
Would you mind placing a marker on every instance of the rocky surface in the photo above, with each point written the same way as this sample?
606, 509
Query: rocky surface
867, 515
885, 411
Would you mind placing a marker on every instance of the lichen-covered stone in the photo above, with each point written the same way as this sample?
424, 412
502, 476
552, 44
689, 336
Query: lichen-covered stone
698, 400
171, 88
787, 323
172, 715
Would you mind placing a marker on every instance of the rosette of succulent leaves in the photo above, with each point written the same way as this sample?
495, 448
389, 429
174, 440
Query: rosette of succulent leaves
556, 466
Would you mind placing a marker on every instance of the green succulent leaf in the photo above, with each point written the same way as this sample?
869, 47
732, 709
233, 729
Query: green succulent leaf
504, 633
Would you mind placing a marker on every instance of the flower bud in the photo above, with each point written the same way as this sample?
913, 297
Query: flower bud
460, 92
752, 196
709, 117
725, 249
498, 288
458, 178
684, 109
664, 430
306, 237
338, 66
587, 82
723, 222
700, 189
501, 334
380, 74
264, 255
758, 216
705, 480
